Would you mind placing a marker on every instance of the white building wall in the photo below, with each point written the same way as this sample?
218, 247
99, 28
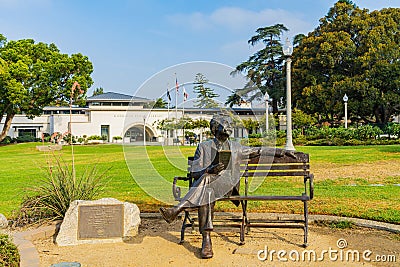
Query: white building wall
118, 120
61, 121
41, 124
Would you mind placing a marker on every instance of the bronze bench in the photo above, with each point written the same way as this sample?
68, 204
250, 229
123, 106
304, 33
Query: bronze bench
257, 167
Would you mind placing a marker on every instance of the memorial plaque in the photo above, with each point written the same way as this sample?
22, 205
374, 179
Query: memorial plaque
100, 221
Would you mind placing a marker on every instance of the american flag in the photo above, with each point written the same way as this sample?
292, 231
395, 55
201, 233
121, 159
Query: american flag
176, 84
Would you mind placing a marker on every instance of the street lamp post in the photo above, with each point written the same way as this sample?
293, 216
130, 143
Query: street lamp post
345, 99
266, 98
287, 52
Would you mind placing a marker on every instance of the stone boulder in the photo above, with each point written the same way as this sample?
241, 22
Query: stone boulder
106, 220
3, 221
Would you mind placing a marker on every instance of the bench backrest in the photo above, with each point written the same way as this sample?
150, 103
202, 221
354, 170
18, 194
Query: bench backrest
279, 166
285, 166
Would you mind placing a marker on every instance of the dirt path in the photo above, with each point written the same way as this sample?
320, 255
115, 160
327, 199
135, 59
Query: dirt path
157, 245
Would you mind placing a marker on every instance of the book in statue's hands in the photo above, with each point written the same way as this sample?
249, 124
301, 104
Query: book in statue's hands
223, 156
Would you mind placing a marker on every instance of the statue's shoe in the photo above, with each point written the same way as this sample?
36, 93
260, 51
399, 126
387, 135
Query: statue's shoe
206, 247
169, 215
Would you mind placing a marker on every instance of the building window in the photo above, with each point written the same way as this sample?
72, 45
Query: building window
27, 132
105, 131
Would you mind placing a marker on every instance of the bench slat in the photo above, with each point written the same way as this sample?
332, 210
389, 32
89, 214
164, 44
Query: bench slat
276, 167
273, 173
302, 198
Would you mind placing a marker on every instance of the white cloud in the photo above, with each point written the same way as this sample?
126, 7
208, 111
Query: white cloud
233, 26
237, 20
195, 21
22, 3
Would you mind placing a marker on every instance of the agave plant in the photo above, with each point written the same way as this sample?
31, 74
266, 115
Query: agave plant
61, 186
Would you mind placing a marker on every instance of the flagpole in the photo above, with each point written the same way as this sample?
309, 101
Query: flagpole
176, 104
176, 97
169, 100
184, 100
183, 111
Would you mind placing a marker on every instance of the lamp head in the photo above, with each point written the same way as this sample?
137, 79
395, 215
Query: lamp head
287, 48
345, 98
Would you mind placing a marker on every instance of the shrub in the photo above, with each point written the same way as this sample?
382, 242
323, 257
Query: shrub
280, 134
26, 139
280, 141
320, 142
7, 140
314, 133
67, 138
60, 187
342, 133
9, 255
117, 138
392, 129
94, 137
396, 129
366, 132
300, 140
255, 135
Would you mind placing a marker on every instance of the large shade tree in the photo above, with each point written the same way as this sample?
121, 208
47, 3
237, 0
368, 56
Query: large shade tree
353, 51
263, 68
37, 75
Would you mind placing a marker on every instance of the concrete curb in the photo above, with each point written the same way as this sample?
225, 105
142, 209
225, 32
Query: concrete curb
30, 256
23, 240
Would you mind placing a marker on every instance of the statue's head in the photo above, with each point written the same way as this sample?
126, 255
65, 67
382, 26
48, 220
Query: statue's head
221, 126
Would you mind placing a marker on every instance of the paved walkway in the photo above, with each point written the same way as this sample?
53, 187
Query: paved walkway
30, 256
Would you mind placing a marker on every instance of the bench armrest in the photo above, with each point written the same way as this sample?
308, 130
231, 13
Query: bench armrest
176, 190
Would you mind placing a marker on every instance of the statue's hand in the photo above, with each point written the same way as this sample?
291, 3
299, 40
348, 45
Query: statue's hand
215, 169
290, 154
255, 153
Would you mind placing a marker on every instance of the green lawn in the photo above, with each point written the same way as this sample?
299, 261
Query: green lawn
153, 168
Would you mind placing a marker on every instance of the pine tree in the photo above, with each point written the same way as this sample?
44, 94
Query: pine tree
205, 95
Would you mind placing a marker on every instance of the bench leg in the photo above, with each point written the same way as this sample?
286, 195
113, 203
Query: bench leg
305, 223
243, 226
187, 221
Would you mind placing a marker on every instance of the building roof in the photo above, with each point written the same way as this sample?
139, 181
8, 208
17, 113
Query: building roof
111, 96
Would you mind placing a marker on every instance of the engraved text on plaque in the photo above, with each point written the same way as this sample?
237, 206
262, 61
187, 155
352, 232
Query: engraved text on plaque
100, 221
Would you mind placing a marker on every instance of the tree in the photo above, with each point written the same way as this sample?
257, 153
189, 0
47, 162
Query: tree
166, 124
98, 91
201, 124
302, 120
160, 103
234, 99
264, 68
37, 75
250, 125
205, 95
354, 52
3, 64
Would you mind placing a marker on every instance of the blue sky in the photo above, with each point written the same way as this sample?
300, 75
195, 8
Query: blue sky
129, 41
